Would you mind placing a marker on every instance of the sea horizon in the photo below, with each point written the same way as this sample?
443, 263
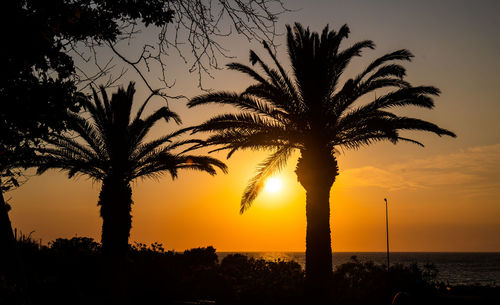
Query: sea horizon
454, 268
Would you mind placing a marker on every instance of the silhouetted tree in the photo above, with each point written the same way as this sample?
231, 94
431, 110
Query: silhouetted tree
312, 112
111, 148
50, 53
38, 83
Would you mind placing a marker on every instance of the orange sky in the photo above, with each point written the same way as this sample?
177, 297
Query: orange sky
444, 197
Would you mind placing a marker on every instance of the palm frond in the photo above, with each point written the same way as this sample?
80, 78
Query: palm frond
245, 101
72, 166
259, 140
408, 96
345, 56
402, 54
284, 107
270, 166
164, 162
143, 106
111, 143
237, 121
89, 133
275, 78
97, 110
140, 128
72, 145
279, 83
286, 79
388, 71
142, 149
406, 123
350, 93
249, 71
203, 163
105, 108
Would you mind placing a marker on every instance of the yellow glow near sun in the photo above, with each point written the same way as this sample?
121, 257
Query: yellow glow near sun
273, 185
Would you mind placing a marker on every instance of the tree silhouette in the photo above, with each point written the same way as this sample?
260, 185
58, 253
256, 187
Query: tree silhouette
111, 148
312, 112
39, 80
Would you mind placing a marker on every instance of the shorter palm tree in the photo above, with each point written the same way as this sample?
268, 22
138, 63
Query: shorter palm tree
111, 148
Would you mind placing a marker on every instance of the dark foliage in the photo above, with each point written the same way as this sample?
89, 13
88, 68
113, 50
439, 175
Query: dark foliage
39, 78
356, 282
257, 281
70, 271
37, 84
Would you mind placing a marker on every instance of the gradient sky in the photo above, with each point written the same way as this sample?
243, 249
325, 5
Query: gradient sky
444, 197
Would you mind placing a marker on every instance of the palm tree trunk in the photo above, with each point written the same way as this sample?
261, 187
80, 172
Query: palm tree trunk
316, 172
115, 200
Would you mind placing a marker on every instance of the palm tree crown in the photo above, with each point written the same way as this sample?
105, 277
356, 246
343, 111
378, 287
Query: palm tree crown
114, 143
111, 148
310, 110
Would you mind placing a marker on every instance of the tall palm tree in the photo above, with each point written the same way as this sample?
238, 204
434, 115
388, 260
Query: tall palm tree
111, 148
312, 112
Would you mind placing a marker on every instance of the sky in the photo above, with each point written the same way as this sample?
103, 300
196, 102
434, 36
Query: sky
444, 197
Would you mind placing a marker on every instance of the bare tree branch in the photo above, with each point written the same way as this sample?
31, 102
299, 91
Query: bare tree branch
195, 35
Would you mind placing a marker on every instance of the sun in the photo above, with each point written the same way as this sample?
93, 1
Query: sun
273, 185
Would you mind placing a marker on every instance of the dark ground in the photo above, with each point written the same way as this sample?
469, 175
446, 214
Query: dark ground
73, 271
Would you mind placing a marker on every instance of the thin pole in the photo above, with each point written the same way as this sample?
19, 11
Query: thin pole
387, 231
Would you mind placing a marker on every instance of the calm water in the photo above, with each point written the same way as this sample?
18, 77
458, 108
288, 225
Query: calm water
454, 268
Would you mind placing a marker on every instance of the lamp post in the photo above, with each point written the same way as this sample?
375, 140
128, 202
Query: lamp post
387, 231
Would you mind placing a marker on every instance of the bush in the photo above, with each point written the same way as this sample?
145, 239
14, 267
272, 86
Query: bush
257, 281
73, 271
76, 246
368, 283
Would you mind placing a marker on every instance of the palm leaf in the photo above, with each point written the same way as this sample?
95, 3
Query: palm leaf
270, 166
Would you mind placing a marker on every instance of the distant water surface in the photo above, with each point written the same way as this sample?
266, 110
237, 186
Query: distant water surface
454, 268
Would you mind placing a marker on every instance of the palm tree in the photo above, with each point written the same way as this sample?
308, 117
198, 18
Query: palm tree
111, 148
312, 112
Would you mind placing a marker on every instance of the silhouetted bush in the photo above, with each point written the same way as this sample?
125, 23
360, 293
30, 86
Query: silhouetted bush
358, 282
75, 246
257, 281
469, 294
73, 271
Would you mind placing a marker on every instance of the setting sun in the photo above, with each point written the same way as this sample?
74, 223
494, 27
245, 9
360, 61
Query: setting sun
273, 185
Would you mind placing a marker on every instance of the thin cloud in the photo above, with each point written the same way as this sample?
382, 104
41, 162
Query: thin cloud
476, 169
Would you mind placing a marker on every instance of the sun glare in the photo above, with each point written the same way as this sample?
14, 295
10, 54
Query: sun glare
273, 185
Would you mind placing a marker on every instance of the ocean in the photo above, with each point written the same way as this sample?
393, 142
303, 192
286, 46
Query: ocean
454, 268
